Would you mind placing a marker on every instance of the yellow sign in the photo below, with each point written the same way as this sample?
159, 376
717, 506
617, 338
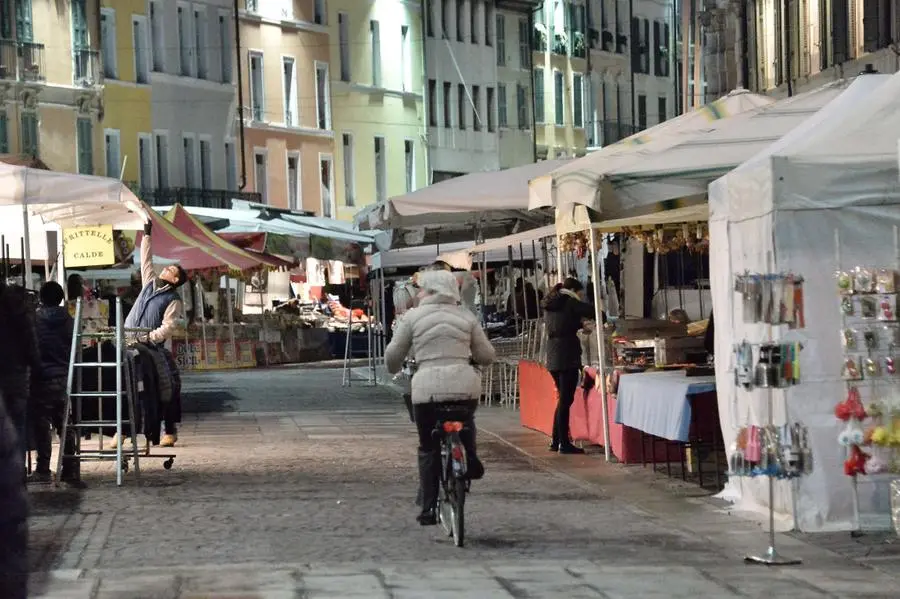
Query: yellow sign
89, 246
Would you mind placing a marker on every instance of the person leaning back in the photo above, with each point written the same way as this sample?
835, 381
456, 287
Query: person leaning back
158, 308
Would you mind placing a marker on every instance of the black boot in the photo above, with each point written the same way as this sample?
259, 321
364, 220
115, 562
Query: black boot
429, 481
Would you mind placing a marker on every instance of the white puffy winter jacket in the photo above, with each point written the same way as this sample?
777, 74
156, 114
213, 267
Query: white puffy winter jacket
444, 338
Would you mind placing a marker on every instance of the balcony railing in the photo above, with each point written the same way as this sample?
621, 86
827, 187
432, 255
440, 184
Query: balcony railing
200, 198
579, 48
21, 61
87, 66
614, 131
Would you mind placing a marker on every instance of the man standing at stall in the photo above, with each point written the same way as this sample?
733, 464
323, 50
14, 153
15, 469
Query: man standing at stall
158, 308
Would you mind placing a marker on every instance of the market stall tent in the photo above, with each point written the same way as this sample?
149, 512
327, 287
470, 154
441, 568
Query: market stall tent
686, 169
583, 181
813, 195
494, 201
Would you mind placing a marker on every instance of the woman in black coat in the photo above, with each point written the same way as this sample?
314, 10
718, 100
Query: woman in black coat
564, 311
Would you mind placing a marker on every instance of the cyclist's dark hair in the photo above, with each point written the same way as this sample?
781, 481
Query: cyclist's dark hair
572, 284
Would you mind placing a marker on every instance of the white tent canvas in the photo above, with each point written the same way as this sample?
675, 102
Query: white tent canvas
492, 195
687, 168
582, 181
782, 211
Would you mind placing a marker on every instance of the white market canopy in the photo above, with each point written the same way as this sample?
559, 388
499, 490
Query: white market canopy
477, 200
522, 245
583, 181
247, 219
687, 168
455, 254
823, 198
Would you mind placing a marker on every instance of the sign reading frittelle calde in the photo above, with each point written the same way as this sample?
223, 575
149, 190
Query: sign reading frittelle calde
88, 246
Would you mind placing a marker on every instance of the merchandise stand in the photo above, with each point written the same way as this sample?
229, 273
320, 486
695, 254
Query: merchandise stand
868, 381
372, 353
773, 368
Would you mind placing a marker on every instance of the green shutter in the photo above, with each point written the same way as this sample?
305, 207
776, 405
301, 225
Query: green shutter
4, 134
29, 134
85, 134
24, 30
80, 37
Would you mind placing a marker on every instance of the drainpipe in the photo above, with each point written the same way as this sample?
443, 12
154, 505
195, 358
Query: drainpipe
788, 50
429, 175
534, 152
589, 81
633, 42
240, 93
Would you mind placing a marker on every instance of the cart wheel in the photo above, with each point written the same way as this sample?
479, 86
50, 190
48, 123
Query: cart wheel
168, 463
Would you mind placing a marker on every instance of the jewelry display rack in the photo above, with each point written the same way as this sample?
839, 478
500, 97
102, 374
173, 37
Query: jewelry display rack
865, 379
771, 557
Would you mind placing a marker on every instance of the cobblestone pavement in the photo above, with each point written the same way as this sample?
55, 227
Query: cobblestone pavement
288, 485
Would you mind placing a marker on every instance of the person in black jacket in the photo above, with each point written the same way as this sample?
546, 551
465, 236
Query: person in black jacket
564, 311
54, 327
18, 359
14, 513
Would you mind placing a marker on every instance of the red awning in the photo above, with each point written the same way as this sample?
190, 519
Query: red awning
170, 243
255, 241
188, 223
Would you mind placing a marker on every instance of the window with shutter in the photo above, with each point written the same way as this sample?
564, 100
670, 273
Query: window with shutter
840, 27
84, 141
635, 45
29, 135
657, 46
4, 134
24, 28
80, 36
667, 50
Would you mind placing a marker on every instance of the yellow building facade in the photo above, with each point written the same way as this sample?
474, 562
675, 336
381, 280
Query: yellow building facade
377, 100
125, 60
51, 83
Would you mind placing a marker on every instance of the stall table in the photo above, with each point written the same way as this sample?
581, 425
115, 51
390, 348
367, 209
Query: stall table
672, 409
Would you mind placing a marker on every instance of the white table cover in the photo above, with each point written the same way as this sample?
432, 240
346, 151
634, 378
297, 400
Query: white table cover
657, 402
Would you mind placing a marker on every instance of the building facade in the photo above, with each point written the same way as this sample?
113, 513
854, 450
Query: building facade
560, 56
610, 92
814, 43
128, 118
515, 107
189, 155
378, 92
51, 83
480, 110
652, 66
288, 148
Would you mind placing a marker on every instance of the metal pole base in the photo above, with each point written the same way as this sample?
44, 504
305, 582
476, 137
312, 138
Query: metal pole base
772, 558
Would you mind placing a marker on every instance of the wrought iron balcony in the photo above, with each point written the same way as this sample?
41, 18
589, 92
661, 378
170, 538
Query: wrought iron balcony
200, 198
21, 61
87, 67
579, 48
614, 131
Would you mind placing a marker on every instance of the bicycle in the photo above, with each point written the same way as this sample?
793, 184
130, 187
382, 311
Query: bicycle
454, 483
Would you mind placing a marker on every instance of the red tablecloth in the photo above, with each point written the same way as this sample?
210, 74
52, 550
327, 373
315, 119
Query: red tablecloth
537, 403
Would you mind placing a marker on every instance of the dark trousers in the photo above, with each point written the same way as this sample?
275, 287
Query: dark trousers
15, 387
426, 416
566, 384
46, 414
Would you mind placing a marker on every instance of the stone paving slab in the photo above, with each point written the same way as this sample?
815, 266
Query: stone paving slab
503, 580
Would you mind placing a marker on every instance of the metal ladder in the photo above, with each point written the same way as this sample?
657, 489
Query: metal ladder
124, 394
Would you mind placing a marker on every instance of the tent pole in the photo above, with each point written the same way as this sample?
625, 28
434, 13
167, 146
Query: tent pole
262, 313
228, 302
601, 346
198, 291
26, 244
512, 288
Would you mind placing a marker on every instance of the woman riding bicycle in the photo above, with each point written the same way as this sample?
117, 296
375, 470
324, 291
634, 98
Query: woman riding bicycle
447, 342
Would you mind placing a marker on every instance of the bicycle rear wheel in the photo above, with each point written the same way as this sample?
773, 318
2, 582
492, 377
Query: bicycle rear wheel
459, 512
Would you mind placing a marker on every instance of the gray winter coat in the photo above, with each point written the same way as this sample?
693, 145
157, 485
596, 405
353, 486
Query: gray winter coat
445, 340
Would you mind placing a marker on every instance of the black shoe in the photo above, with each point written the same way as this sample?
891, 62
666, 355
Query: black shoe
427, 518
474, 469
74, 483
570, 450
554, 447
